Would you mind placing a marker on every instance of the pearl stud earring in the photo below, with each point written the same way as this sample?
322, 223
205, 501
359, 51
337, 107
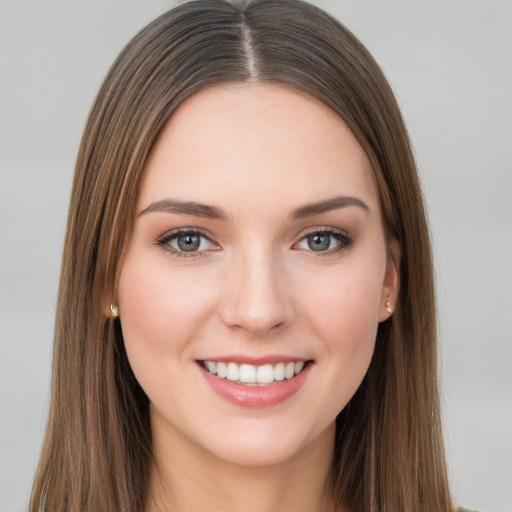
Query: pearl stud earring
114, 310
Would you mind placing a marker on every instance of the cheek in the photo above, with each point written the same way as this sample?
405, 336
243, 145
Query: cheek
160, 311
346, 300
343, 313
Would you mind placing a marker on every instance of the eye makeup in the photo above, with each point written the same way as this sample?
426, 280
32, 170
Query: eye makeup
194, 242
187, 242
324, 241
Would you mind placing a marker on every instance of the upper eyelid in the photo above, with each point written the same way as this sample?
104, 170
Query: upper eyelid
341, 235
321, 229
303, 234
164, 242
178, 231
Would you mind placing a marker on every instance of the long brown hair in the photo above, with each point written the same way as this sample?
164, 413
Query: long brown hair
97, 452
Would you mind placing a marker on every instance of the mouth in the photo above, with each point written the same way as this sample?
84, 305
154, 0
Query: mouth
252, 375
256, 385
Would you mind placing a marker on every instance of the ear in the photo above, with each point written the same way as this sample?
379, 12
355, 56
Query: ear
107, 301
391, 284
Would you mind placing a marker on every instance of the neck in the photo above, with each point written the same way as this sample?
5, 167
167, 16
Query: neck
188, 479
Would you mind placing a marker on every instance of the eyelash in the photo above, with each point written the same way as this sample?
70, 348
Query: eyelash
345, 242
165, 240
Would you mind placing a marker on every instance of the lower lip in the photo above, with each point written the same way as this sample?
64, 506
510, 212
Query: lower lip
256, 396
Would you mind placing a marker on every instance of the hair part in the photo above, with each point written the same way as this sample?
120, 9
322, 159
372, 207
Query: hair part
97, 453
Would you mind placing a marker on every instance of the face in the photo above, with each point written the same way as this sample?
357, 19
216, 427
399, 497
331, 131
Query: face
256, 274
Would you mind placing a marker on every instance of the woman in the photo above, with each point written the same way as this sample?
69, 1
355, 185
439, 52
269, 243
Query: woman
246, 314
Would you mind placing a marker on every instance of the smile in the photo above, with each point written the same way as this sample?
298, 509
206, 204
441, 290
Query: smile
251, 375
256, 385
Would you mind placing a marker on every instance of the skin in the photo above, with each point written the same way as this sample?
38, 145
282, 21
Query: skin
256, 288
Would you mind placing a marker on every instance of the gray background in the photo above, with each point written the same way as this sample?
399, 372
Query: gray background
450, 65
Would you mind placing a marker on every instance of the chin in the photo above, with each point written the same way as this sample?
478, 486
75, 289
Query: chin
263, 447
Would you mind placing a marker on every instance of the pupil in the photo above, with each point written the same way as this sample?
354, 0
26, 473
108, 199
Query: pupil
189, 242
319, 242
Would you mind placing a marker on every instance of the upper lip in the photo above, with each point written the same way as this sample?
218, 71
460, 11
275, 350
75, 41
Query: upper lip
256, 361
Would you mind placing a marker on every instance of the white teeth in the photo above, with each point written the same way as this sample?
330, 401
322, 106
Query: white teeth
247, 373
233, 372
256, 375
279, 371
222, 370
265, 374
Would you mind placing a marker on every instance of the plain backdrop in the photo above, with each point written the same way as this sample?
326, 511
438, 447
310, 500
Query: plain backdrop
450, 64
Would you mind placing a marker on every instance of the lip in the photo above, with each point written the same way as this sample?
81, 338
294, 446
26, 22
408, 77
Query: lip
256, 396
255, 361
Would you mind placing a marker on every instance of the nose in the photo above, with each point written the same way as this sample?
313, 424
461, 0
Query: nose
257, 298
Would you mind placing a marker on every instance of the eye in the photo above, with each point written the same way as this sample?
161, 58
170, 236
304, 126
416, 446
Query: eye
186, 242
324, 241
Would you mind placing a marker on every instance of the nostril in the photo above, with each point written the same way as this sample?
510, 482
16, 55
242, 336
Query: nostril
256, 296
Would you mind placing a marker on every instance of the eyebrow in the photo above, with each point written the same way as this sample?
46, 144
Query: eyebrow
212, 212
325, 206
185, 207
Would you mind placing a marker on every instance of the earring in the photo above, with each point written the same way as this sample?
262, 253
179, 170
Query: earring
388, 307
115, 311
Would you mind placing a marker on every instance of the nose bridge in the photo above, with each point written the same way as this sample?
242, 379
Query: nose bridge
256, 296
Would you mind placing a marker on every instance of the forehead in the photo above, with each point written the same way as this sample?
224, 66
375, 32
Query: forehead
254, 140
